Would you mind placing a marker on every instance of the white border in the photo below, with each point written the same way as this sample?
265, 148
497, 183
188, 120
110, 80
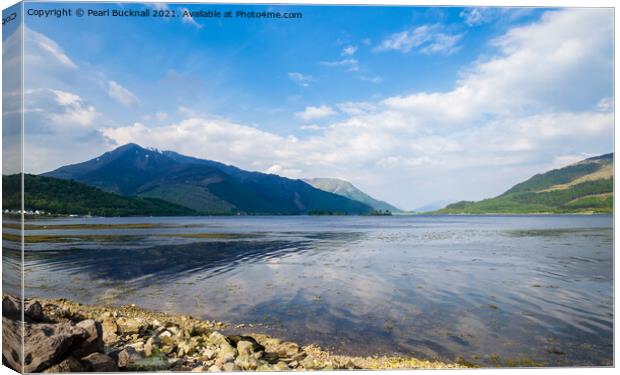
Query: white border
522, 3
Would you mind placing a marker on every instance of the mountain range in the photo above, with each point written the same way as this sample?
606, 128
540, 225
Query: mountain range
347, 189
583, 187
203, 186
132, 180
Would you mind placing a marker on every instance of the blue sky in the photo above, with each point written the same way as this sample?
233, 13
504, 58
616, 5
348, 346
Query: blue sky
411, 104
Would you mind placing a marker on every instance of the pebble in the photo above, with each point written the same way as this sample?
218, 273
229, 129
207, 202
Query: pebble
215, 368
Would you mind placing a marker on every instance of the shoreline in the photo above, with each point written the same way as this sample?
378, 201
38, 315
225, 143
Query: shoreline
136, 339
425, 214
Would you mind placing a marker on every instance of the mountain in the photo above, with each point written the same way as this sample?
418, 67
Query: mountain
347, 189
202, 185
64, 197
583, 187
432, 206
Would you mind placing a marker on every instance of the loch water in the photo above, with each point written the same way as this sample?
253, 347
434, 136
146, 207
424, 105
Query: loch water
491, 290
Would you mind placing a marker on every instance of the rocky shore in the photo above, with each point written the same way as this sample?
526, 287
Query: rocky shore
65, 336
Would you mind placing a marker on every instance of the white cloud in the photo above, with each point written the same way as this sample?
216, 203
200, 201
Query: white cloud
480, 15
57, 115
350, 64
161, 116
605, 105
311, 127
121, 94
429, 39
280, 170
55, 111
41, 48
74, 110
188, 19
300, 79
349, 50
539, 58
372, 79
474, 16
315, 113
357, 108
564, 160
158, 6
442, 43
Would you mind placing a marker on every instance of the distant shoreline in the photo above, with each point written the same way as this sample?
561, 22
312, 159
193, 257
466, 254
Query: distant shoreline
424, 214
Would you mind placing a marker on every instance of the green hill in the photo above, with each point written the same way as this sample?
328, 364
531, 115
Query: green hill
583, 187
64, 197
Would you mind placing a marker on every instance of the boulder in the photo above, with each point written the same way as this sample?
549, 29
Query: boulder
167, 338
46, 344
218, 339
11, 342
288, 349
227, 354
128, 356
208, 354
308, 363
215, 368
271, 343
149, 346
230, 367
70, 364
110, 330
129, 326
11, 307
99, 362
186, 347
281, 366
173, 329
34, 311
256, 346
246, 361
264, 367
94, 342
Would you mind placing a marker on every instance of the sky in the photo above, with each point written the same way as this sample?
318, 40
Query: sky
412, 105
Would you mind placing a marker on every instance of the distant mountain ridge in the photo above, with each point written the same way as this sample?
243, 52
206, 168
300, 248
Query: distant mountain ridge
583, 187
347, 189
204, 186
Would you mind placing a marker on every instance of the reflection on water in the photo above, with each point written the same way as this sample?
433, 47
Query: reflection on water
494, 290
159, 264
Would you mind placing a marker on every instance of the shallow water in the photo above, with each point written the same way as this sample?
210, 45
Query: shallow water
496, 290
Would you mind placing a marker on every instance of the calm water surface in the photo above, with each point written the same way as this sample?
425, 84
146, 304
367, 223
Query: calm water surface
496, 290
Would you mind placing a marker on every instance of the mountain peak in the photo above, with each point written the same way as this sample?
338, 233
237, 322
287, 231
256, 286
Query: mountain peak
128, 147
347, 189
